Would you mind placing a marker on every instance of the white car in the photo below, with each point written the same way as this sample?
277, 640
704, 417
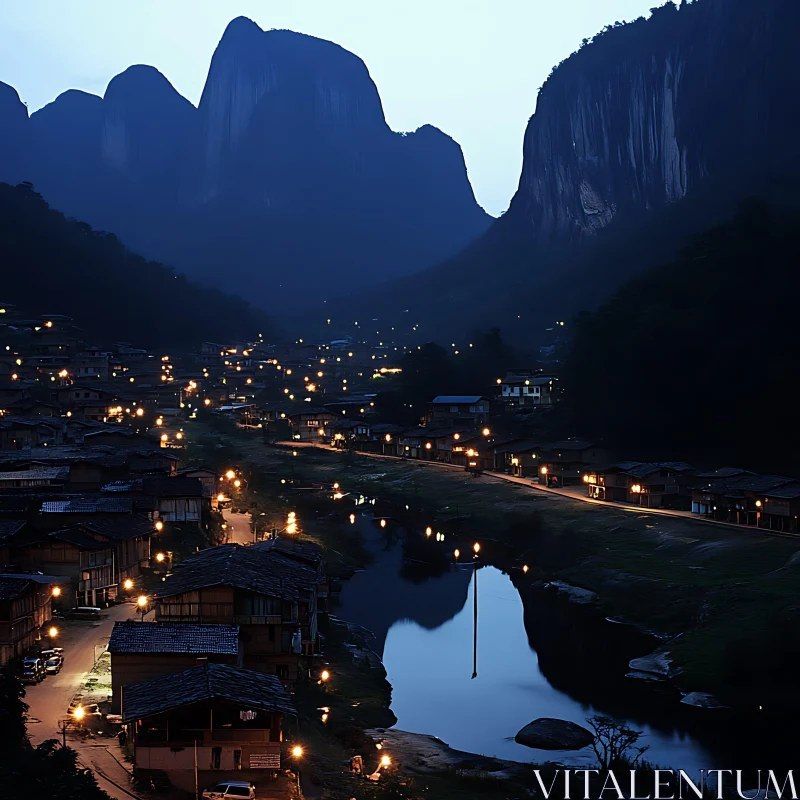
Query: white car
230, 790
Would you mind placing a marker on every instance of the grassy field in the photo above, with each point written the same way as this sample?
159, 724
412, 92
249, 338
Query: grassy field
726, 598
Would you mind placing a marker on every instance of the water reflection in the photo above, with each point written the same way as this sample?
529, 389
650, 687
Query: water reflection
425, 636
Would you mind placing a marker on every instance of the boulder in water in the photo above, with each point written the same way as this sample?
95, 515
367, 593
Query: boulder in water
547, 733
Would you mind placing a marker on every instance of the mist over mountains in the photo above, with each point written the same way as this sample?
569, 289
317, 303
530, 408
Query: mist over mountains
285, 183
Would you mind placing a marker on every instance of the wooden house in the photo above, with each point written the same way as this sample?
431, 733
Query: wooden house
206, 724
25, 606
312, 425
657, 484
742, 499
142, 653
520, 458
565, 463
458, 410
527, 391
178, 499
272, 597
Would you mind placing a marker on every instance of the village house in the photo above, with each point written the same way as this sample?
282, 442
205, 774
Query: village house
388, 438
209, 479
178, 499
51, 479
25, 606
741, 499
270, 596
565, 463
95, 555
312, 425
526, 391
141, 653
520, 458
652, 484
217, 719
458, 410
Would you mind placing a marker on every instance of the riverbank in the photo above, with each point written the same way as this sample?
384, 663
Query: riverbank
721, 600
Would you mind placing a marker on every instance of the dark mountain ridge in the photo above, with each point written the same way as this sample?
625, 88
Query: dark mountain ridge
285, 176
651, 132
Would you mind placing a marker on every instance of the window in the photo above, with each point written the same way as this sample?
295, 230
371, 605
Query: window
216, 757
454, 409
312, 423
237, 760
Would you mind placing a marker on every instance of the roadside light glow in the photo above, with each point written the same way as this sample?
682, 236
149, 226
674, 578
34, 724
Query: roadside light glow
164, 437
456, 436
636, 488
291, 527
230, 474
385, 761
352, 519
324, 675
160, 421
160, 557
159, 525
525, 568
486, 431
237, 483
52, 632
128, 584
79, 713
141, 601
297, 751
179, 435
543, 470
220, 498
388, 437
56, 591
321, 431
586, 479
758, 504
383, 523
139, 412
456, 553
428, 445
476, 547
428, 531
207, 401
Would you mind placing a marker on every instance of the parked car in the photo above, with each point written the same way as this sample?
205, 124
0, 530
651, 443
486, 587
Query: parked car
53, 665
230, 790
33, 670
60, 652
46, 655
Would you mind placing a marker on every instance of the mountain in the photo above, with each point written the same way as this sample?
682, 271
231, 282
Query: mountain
285, 183
652, 131
695, 353
56, 264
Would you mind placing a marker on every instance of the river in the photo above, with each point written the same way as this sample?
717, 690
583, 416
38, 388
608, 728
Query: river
424, 627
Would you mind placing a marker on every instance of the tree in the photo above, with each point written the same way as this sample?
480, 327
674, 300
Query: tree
615, 743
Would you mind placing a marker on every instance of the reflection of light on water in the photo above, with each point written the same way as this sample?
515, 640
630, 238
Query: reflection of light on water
432, 690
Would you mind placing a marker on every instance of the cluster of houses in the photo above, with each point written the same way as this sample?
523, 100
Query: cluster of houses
206, 685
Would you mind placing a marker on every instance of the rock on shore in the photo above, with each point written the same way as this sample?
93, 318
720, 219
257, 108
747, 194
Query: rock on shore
547, 733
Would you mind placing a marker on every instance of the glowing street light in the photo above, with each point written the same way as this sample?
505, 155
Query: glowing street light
56, 591
352, 519
237, 483
385, 761
141, 601
164, 437
324, 676
159, 526
485, 431
383, 523
139, 412
52, 632
297, 751
79, 713
160, 557
127, 584
230, 474
428, 531
160, 421
525, 568
456, 554
476, 548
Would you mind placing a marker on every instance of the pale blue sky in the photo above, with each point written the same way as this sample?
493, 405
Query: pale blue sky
470, 67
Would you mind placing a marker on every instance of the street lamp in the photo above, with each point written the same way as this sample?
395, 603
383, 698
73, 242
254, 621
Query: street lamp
297, 753
141, 603
127, 584
52, 632
476, 548
230, 474
159, 526
160, 557
79, 713
56, 591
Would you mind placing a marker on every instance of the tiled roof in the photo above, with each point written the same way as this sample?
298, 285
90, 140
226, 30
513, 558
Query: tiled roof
166, 637
12, 587
255, 690
309, 552
9, 527
88, 505
42, 474
751, 483
253, 569
79, 538
790, 492
119, 528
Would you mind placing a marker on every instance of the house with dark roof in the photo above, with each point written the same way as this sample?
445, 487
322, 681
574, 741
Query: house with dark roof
141, 653
742, 499
519, 457
222, 721
312, 425
564, 463
526, 390
25, 606
178, 499
654, 484
447, 411
269, 594
96, 555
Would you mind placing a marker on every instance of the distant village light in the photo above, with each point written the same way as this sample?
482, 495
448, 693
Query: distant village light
428, 531
525, 568
52, 632
352, 519
476, 548
383, 523
428, 445
159, 525
543, 470
128, 584
324, 675
141, 601
164, 437
486, 431
160, 557
56, 591
297, 751
456, 554
230, 474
